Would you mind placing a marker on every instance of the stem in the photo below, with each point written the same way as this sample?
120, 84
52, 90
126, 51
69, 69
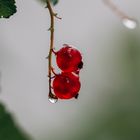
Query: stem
115, 9
51, 44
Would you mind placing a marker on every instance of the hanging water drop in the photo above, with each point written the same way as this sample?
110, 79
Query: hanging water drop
53, 100
129, 23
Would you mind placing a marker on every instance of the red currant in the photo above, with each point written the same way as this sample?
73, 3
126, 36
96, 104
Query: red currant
69, 59
66, 85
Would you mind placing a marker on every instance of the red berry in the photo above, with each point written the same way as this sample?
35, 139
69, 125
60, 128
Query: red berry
66, 85
69, 59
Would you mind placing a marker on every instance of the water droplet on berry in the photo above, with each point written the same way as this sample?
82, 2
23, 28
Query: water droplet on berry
129, 23
53, 100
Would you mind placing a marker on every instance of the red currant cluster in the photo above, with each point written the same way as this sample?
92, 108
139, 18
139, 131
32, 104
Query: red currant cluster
66, 85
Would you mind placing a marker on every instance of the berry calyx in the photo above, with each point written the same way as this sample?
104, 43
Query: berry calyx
66, 85
69, 59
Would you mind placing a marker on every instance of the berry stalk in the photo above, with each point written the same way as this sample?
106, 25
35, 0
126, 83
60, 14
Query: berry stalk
51, 29
115, 9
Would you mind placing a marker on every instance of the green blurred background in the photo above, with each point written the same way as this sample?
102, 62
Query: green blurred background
108, 107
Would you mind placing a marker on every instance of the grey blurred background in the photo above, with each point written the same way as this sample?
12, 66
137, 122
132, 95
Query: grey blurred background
108, 107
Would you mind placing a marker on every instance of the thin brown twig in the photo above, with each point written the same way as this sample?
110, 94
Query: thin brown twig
51, 29
115, 9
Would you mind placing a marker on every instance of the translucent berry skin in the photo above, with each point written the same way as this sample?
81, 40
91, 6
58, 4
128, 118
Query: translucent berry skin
69, 59
66, 85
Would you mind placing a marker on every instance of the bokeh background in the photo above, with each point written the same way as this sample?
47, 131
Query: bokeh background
108, 107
